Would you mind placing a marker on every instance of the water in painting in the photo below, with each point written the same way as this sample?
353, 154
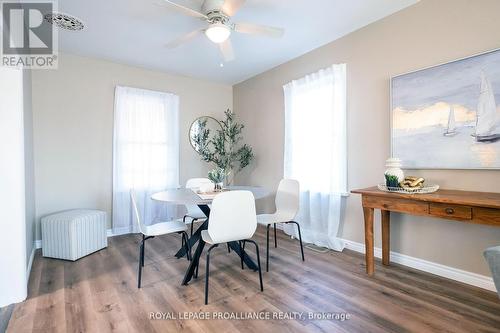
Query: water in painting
448, 116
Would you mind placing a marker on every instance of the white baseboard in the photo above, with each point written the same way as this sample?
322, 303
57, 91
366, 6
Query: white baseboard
118, 231
109, 233
30, 261
456, 274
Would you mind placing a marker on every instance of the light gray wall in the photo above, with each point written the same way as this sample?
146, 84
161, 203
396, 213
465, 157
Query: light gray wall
428, 33
29, 169
73, 127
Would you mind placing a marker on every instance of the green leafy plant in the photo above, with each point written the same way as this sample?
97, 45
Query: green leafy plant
225, 149
217, 175
391, 181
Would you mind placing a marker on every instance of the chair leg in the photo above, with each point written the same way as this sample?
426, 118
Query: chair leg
192, 226
143, 250
258, 262
242, 247
300, 239
267, 249
228, 248
183, 244
188, 248
207, 271
186, 245
275, 239
141, 256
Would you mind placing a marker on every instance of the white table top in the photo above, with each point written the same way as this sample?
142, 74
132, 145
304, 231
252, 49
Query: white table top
187, 196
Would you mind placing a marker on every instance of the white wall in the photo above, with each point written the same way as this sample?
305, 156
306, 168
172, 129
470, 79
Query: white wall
73, 127
29, 168
13, 285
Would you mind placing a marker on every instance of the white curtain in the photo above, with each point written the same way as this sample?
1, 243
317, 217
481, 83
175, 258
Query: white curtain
315, 152
145, 154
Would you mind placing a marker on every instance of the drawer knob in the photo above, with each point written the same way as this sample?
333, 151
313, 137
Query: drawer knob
449, 210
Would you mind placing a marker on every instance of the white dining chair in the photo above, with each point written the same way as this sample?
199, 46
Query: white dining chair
158, 228
232, 219
287, 206
194, 214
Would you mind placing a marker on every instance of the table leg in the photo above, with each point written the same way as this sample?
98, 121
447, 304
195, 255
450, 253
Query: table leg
195, 260
192, 240
197, 235
246, 259
370, 265
193, 263
386, 236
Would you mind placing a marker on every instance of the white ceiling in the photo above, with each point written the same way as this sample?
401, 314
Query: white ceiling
135, 32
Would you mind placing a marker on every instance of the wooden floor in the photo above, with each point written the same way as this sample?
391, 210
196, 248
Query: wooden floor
98, 293
5, 313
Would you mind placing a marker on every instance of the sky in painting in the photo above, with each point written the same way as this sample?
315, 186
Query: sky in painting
453, 83
422, 102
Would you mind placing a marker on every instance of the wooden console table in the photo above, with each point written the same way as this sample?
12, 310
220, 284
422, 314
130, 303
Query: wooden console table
464, 206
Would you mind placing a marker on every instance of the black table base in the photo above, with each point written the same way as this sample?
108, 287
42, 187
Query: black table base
196, 238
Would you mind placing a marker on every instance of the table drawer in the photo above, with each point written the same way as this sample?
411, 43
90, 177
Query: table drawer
486, 216
397, 205
450, 211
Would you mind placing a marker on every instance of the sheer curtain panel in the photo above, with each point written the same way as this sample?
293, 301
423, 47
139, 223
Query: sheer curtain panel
145, 153
315, 152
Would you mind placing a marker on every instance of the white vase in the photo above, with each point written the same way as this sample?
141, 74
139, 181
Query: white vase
394, 168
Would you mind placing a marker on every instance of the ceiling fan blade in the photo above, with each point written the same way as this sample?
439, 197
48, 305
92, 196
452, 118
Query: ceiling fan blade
255, 29
230, 7
184, 39
226, 48
185, 10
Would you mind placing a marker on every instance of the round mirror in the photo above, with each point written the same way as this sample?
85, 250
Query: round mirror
202, 131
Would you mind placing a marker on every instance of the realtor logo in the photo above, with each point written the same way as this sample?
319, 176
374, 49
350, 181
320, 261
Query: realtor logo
27, 39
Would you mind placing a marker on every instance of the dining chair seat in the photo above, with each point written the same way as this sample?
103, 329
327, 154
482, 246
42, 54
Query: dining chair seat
266, 219
287, 207
232, 219
157, 228
195, 216
206, 237
161, 227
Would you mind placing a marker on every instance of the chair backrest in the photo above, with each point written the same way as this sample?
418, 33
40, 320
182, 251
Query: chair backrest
197, 182
287, 198
193, 210
141, 226
232, 216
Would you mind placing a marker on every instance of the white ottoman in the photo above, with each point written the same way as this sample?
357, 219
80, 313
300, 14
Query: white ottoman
74, 233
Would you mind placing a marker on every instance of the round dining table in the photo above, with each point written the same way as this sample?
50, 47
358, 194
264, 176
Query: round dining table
183, 196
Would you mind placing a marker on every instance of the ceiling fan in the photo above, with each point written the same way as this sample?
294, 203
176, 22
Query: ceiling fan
218, 13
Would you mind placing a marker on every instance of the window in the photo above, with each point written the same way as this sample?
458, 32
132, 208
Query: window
315, 150
145, 149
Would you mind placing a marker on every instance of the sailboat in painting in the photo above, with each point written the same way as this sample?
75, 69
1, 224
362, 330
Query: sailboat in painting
487, 116
451, 128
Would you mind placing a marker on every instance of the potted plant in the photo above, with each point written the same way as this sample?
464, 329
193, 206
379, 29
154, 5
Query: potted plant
217, 176
224, 149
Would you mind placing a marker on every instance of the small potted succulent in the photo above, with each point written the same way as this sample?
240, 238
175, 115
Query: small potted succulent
217, 176
393, 175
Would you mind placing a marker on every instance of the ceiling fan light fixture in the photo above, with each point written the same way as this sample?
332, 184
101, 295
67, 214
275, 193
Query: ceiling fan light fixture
218, 32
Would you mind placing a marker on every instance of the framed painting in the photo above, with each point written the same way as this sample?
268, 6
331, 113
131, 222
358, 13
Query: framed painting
447, 116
